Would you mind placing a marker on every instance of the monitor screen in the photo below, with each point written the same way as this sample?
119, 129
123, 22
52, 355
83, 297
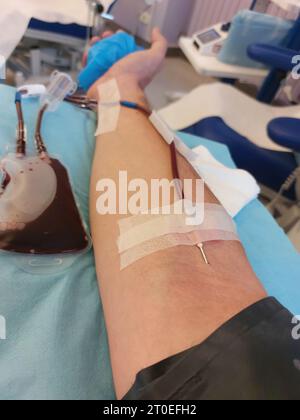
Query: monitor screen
209, 36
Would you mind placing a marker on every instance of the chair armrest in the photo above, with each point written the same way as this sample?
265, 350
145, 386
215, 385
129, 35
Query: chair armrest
285, 132
274, 57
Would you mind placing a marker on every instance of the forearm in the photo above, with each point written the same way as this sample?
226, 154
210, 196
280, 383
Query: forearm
141, 303
137, 148
134, 147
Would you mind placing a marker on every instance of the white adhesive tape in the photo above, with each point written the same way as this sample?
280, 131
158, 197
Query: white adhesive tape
162, 127
109, 107
140, 229
170, 241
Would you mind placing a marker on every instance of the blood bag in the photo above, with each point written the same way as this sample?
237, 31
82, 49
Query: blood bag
38, 211
40, 222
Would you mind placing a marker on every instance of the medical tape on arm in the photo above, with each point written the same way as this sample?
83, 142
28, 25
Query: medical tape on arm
170, 136
142, 236
109, 107
173, 240
139, 229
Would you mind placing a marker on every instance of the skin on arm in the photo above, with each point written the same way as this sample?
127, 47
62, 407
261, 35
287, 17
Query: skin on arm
169, 301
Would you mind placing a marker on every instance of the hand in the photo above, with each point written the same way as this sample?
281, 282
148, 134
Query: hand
134, 72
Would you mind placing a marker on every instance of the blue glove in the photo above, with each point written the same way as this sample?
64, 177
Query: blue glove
103, 55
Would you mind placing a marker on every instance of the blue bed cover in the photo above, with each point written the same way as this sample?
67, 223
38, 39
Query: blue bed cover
56, 346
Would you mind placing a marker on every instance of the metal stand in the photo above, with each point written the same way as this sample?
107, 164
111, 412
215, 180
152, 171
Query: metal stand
42, 51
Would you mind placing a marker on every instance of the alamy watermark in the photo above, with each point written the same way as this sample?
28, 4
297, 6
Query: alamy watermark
2, 68
296, 329
140, 197
296, 68
2, 328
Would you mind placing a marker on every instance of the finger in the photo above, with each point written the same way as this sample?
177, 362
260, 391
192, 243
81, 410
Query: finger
107, 34
158, 50
159, 43
84, 59
94, 40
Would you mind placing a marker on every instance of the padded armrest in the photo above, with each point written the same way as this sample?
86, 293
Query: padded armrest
275, 57
286, 132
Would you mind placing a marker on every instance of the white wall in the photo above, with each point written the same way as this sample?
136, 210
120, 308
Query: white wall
176, 17
209, 12
172, 16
